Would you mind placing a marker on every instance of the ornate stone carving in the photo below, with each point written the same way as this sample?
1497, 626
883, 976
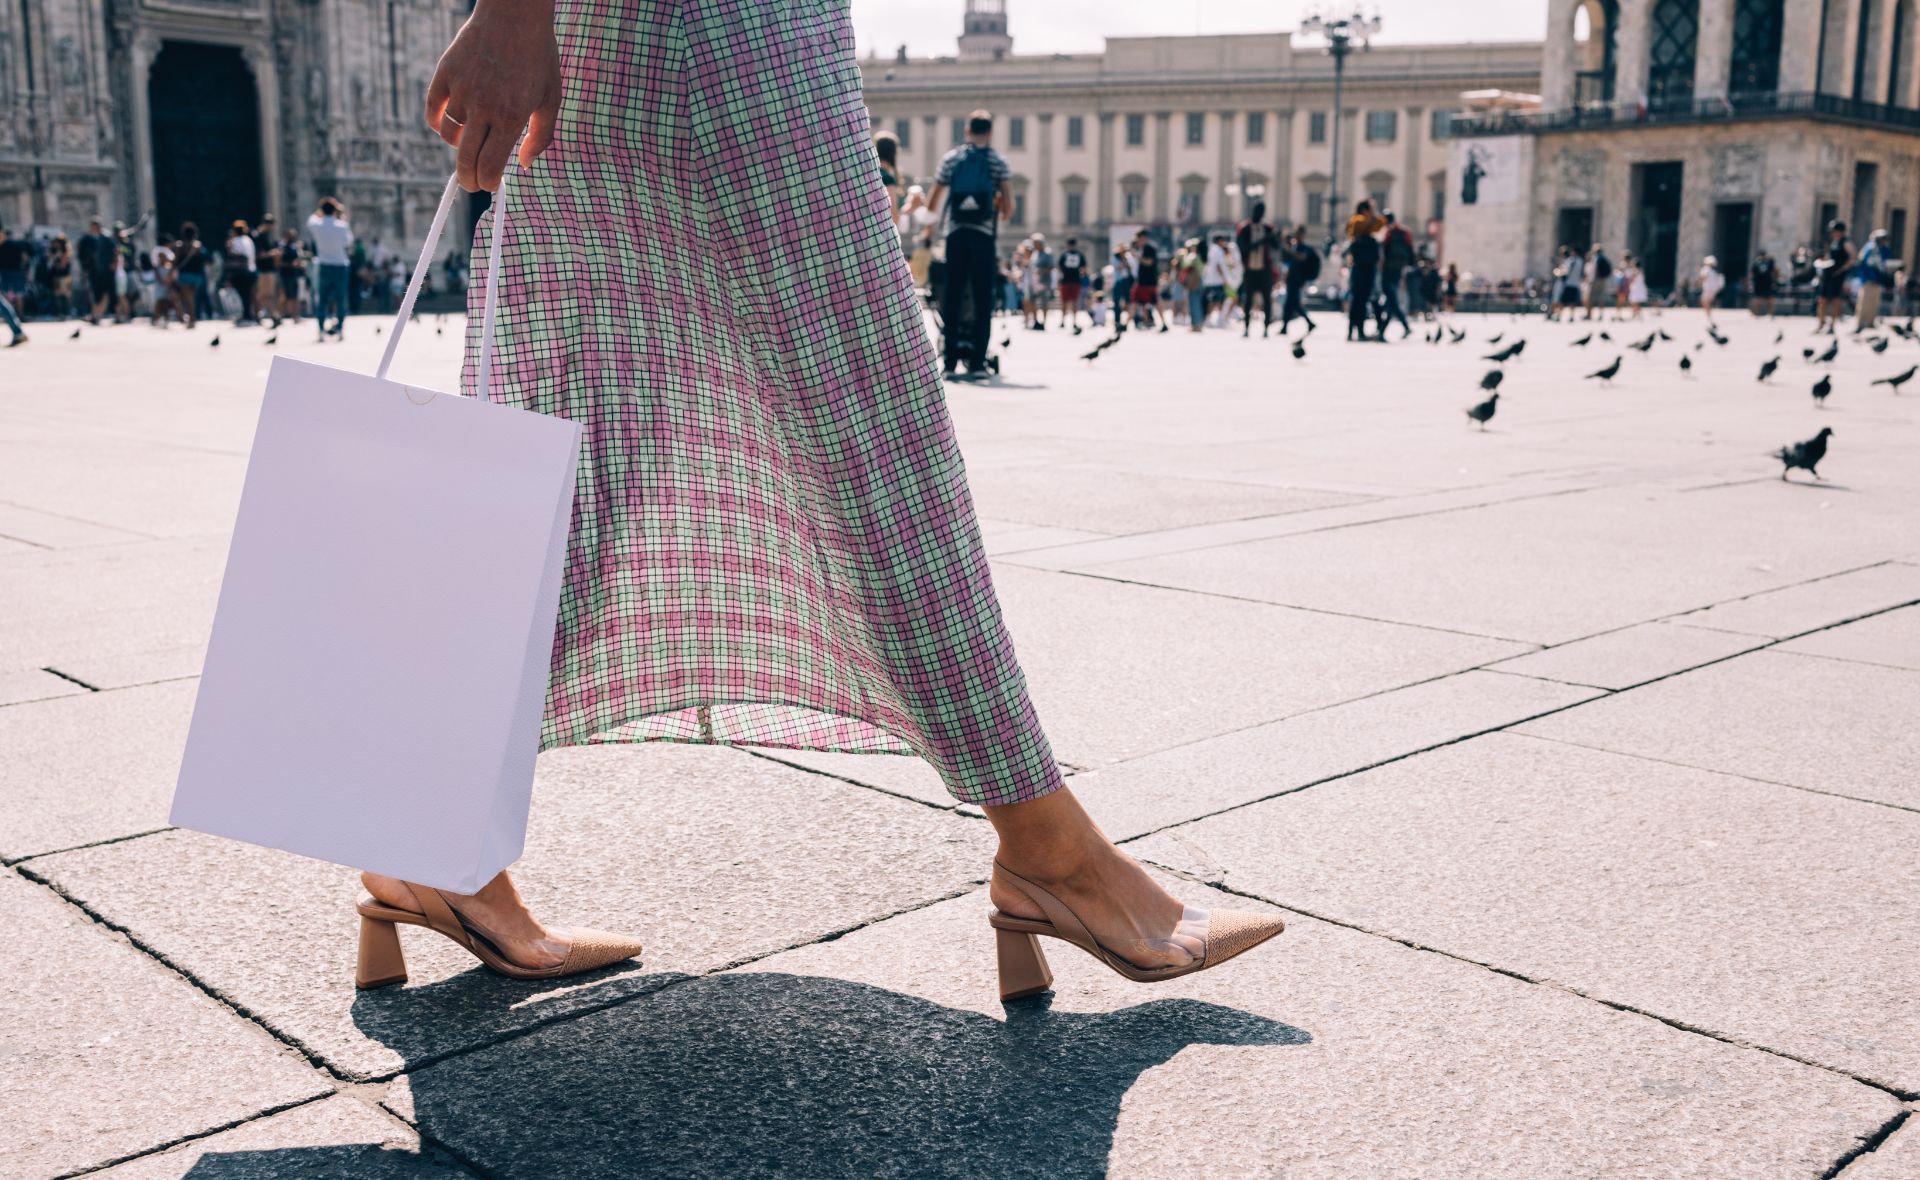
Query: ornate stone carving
1582, 174
1739, 169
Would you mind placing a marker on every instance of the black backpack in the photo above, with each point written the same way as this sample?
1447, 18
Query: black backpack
971, 202
1306, 260
1602, 266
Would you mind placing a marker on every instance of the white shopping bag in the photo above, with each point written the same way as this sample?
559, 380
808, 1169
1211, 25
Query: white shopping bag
375, 683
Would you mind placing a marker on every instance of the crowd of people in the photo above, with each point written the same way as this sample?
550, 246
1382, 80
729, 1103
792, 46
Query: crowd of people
252, 274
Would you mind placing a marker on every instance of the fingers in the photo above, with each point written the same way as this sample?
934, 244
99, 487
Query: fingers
466, 169
493, 157
539, 131
438, 92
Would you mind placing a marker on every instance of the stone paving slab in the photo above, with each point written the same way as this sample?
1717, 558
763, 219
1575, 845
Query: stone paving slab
1896, 1159
34, 684
1327, 1053
1476, 574
1892, 639
897, 774
1845, 728
1001, 536
1630, 656
45, 530
105, 601
1118, 671
1811, 605
1144, 794
130, 669
710, 855
202, 486
104, 1052
89, 767
1103, 500
333, 1139
1770, 916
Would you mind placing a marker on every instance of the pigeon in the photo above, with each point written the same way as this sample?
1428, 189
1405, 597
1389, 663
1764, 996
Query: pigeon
1766, 370
1833, 350
1880, 344
1806, 354
1519, 346
1821, 389
214, 343
1899, 379
1493, 379
1662, 333
273, 339
1698, 345
1642, 345
1584, 341
439, 331
376, 329
1101, 347
1804, 455
1606, 374
76, 334
1006, 342
1714, 335
1604, 335
1495, 338
1780, 335
1686, 363
1507, 353
1457, 335
1484, 411
1300, 349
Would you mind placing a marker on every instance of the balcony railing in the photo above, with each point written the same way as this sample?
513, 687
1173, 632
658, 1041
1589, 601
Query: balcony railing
1733, 108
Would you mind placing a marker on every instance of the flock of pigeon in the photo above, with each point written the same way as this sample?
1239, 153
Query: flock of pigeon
1805, 455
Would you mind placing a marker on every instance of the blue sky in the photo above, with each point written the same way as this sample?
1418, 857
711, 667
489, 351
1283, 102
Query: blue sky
1067, 26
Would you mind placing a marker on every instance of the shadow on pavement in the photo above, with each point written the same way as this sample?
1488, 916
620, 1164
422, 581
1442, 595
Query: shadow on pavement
757, 1074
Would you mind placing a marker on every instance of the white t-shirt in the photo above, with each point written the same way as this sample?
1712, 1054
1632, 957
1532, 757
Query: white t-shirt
1214, 274
1711, 280
331, 237
240, 249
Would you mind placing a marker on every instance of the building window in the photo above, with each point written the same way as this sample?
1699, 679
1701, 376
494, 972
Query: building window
903, 131
1076, 131
1380, 190
1136, 130
1017, 131
1256, 128
1196, 130
1756, 47
1437, 196
1676, 40
1897, 232
1193, 197
1317, 127
1316, 208
1441, 125
959, 132
1382, 126
1076, 207
1019, 214
1133, 203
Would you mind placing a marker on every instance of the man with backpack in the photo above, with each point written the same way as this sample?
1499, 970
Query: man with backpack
1396, 256
1303, 266
1259, 245
973, 189
1599, 279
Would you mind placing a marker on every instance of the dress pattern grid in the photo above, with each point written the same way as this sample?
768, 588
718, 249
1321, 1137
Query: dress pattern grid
773, 543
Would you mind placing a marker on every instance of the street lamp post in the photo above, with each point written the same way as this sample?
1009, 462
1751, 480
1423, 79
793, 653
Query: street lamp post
1342, 33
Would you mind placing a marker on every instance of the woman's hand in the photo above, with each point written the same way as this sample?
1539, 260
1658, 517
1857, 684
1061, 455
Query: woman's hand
501, 73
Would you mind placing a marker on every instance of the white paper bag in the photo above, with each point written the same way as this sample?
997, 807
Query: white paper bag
375, 683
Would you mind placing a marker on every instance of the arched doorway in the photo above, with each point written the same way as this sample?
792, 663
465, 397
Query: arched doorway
206, 138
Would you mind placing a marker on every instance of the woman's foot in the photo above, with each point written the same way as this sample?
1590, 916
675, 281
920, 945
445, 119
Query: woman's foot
1052, 842
496, 912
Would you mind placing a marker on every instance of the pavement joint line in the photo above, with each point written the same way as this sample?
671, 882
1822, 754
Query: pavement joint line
24, 541
1499, 671
291, 1043
1752, 778
169, 1145
19, 860
1554, 984
1336, 527
1869, 1144
107, 689
947, 808
80, 520
71, 679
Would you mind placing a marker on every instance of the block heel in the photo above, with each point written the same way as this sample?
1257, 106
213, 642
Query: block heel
1023, 965
381, 960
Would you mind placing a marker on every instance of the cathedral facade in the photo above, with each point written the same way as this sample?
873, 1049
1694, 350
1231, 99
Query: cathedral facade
212, 110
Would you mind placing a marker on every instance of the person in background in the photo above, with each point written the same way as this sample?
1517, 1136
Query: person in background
1875, 269
1763, 280
886, 150
1363, 266
1831, 269
332, 238
1073, 277
1600, 279
1213, 278
1711, 283
96, 253
1146, 282
13, 283
1044, 264
1188, 267
1259, 245
190, 273
242, 269
291, 260
1120, 289
266, 265
56, 276
1397, 254
1450, 295
981, 188
1303, 266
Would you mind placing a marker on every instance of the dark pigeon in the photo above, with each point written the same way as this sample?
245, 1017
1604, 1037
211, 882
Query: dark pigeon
1833, 350
1493, 379
1686, 363
1899, 379
1483, 412
1607, 374
1584, 341
1507, 353
1821, 389
1642, 345
1767, 369
1804, 455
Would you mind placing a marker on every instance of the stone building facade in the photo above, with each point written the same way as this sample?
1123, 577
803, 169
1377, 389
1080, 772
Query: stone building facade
1175, 131
212, 110
1681, 128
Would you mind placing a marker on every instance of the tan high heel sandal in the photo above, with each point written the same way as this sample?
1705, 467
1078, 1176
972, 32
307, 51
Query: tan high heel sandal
382, 963
1023, 967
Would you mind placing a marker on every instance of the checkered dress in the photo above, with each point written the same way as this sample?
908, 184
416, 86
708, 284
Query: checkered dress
773, 543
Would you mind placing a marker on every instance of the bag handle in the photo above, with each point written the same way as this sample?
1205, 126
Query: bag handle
484, 377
